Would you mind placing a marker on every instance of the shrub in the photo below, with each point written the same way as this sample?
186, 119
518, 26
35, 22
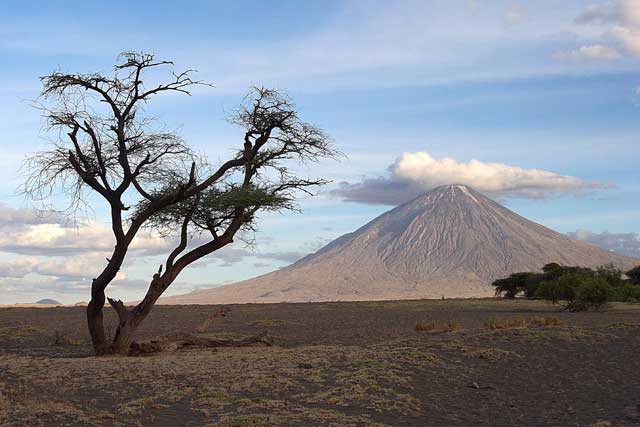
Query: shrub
591, 294
563, 288
515, 284
626, 293
425, 325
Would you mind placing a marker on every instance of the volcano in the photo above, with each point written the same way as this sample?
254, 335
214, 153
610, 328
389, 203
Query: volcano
450, 242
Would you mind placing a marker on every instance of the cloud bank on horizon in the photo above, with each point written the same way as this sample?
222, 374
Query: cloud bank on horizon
623, 243
413, 174
48, 251
619, 21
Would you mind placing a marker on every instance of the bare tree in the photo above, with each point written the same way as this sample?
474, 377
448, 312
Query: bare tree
107, 145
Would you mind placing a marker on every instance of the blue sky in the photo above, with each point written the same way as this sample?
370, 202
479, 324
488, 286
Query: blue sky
530, 85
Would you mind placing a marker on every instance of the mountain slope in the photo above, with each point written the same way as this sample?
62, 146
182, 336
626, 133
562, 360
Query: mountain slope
451, 242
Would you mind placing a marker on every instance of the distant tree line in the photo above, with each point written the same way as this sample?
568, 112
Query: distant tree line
575, 288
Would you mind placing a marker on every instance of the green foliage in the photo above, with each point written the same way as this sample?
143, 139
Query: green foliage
629, 292
216, 206
515, 284
610, 274
577, 288
592, 293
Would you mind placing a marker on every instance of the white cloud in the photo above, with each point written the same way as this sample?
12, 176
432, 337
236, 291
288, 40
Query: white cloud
71, 268
29, 232
48, 254
593, 52
599, 14
630, 12
18, 268
622, 243
624, 12
514, 14
229, 256
386, 44
415, 173
623, 19
21, 216
629, 37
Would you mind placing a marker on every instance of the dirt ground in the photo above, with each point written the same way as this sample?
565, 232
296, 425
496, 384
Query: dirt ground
407, 363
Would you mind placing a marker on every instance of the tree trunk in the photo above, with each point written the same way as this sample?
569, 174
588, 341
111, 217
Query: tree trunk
124, 336
95, 321
129, 320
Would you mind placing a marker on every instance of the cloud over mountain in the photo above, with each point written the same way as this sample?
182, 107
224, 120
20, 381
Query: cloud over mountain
415, 173
622, 243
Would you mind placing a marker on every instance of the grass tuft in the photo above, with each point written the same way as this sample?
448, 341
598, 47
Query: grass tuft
425, 325
451, 326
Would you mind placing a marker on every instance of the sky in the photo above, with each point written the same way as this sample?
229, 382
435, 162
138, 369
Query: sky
537, 104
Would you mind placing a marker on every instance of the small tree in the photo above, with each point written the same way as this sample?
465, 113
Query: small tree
515, 284
151, 178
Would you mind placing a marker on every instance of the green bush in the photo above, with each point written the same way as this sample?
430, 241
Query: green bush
627, 293
592, 294
563, 288
578, 291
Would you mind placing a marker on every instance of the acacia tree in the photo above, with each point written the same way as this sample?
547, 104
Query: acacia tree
108, 144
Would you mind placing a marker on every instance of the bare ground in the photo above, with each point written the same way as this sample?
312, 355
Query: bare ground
474, 362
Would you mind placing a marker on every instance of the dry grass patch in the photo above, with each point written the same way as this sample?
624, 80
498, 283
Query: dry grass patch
425, 325
302, 416
548, 321
451, 326
491, 354
520, 322
504, 323
623, 326
61, 340
19, 332
417, 357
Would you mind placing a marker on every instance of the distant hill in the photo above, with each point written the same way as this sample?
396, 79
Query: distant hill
48, 301
452, 241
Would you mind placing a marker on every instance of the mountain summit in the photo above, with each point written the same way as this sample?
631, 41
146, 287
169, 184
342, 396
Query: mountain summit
452, 241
